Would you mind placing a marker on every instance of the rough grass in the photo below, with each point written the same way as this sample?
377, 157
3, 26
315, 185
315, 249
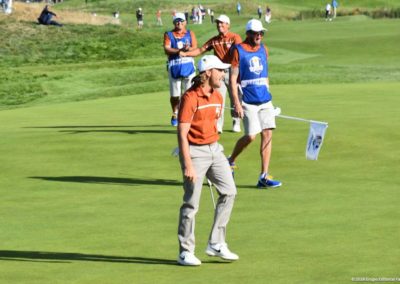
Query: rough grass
79, 62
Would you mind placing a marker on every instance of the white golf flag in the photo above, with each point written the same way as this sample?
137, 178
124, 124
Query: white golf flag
315, 139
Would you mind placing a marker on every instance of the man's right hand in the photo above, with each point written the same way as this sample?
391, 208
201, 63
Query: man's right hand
190, 174
239, 110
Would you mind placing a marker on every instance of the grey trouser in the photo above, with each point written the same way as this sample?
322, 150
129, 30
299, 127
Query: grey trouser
208, 161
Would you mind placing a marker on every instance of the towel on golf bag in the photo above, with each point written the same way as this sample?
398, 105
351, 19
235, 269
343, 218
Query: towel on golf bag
315, 139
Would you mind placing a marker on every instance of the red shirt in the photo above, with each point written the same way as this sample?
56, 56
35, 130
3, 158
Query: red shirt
202, 112
222, 45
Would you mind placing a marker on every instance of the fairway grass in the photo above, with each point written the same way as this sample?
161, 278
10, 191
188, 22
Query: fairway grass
90, 193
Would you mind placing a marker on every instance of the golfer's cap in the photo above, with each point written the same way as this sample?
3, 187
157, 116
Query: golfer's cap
208, 62
179, 16
223, 19
140, 9
255, 26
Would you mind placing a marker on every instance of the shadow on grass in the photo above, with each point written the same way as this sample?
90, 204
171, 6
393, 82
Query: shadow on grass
78, 129
254, 187
65, 257
58, 257
120, 131
111, 180
127, 181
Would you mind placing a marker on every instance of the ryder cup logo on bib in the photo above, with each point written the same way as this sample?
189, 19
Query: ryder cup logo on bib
256, 65
180, 44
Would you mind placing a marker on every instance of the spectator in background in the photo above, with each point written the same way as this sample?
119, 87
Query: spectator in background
139, 18
187, 17
334, 7
238, 8
328, 11
7, 6
259, 12
200, 15
195, 14
212, 16
3, 5
46, 16
268, 15
158, 16
202, 12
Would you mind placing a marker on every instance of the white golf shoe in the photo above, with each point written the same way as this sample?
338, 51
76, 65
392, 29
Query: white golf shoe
188, 259
222, 251
236, 125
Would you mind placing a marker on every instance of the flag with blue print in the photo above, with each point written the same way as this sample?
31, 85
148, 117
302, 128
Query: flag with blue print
315, 139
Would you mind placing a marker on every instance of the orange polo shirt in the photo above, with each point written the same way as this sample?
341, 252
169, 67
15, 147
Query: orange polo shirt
202, 112
179, 34
222, 45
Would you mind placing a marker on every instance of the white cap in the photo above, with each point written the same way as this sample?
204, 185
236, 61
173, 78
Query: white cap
179, 16
208, 62
255, 26
223, 19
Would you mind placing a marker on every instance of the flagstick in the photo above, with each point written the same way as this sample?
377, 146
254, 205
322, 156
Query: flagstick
211, 191
290, 117
300, 119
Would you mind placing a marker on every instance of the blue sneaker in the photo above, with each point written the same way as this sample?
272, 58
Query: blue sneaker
174, 121
268, 182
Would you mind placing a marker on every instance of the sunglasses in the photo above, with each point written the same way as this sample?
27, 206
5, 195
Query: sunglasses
253, 33
178, 21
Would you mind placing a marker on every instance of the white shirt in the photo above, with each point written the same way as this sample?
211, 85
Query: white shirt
328, 7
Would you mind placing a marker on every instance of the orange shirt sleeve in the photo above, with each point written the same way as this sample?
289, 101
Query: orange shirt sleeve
209, 44
167, 41
187, 108
237, 39
235, 57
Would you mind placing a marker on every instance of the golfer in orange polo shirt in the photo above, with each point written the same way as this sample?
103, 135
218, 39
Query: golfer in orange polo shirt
202, 156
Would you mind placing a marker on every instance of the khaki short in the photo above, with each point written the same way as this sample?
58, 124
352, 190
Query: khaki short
258, 117
178, 86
